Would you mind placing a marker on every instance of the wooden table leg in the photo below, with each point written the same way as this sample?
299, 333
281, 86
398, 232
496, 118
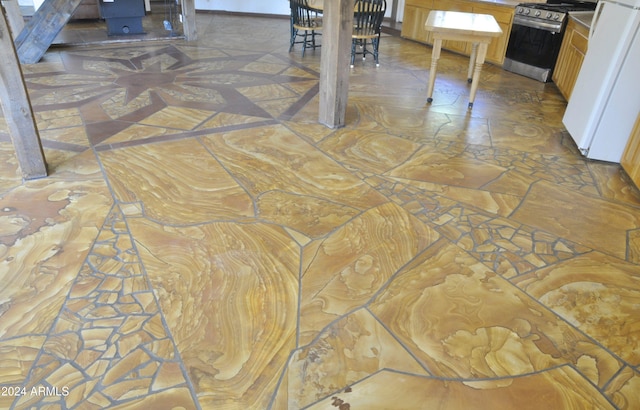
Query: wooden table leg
482, 53
435, 55
472, 61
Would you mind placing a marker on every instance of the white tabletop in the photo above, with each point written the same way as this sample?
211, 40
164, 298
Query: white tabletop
463, 23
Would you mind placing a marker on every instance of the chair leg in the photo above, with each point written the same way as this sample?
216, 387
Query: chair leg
304, 42
376, 44
353, 52
294, 34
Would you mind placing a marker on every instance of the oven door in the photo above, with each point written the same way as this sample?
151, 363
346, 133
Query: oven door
533, 49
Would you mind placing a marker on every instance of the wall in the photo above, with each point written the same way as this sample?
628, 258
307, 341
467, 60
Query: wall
256, 6
280, 7
31, 3
246, 6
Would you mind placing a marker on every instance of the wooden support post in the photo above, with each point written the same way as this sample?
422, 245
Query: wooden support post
189, 20
337, 25
17, 108
43, 27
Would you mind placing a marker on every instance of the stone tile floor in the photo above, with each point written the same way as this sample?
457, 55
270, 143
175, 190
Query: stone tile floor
203, 243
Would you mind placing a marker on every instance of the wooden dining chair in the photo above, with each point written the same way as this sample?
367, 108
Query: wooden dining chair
367, 25
305, 24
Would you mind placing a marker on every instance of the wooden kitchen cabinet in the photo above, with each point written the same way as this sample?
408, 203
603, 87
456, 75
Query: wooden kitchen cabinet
572, 51
631, 156
416, 12
415, 15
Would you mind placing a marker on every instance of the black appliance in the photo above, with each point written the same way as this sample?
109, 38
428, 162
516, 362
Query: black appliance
536, 36
123, 16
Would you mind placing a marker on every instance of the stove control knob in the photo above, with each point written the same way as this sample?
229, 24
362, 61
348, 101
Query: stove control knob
556, 17
549, 15
538, 13
527, 11
520, 10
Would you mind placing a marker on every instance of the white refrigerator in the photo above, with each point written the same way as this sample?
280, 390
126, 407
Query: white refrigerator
605, 101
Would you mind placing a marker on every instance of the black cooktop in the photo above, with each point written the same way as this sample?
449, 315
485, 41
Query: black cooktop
562, 5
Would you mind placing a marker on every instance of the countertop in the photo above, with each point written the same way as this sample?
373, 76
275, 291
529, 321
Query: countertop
507, 3
511, 3
582, 17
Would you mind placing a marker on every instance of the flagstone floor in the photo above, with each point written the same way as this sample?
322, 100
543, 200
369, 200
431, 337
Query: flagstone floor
203, 243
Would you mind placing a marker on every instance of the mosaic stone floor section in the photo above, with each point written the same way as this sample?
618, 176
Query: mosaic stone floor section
109, 345
203, 243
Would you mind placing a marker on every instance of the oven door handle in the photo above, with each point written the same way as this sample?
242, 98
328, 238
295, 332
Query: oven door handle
596, 17
523, 21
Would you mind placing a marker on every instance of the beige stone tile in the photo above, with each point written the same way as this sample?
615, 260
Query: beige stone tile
277, 108
9, 168
623, 389
266, 92
587, 220
514, 182
177, 117
597, 294
448, 169
273, 158
528, 136
177, 398
312, 131
368, 151
266, 66
346, 271
53, 119
177, 182
137, 132
350, 350
466, 129
462, 320
302, 87
185, 94
614, 183
121, 103
311, 216
228, 293
226, 120
418, 124
16, 356
386, 390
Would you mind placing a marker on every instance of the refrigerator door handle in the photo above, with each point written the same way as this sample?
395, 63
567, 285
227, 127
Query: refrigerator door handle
596, 16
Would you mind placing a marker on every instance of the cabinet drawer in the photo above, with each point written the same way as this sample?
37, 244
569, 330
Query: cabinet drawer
501, 14
452, 5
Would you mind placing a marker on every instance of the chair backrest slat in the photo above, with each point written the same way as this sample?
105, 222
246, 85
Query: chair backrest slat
301, 14
368, 15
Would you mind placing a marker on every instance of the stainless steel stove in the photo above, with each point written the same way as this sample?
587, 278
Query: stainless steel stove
536, 36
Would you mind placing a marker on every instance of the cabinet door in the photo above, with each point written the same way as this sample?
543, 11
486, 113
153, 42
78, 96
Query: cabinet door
572, 51
413, 24
631, 157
